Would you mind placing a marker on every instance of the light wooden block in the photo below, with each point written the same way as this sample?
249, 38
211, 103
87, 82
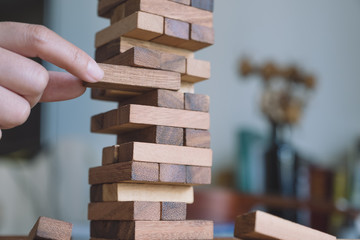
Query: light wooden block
175, 33
172, 173
186, 2
207, 5
196, 70
124, 211
197, 102
198, 175
106, 7
187, 87
132, 117
134, 79
120, 192
196, 138
261, 225
172, 10
154, 134
140, 25
173, 211
124, 172
200, 37
147, 230
159, 153
48, 228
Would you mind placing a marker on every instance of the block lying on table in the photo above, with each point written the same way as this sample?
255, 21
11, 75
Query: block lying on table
261, 225
52, 229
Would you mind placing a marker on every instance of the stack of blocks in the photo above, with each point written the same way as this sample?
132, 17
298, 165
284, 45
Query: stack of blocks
162, 127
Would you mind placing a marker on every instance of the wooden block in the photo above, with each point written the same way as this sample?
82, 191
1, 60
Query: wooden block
261, 225
124, 172
172, 62
172, 10
172, 173
196, 70
112, 95
197, 102
136, 79
196, 138
159, 153
140, 25
198, 175
120, 192
105, 7
187, 87
200, 37
175, 33
173, 211
132, 117
145, 230
118, 14
154, 134
207, 5
124, 211
47, 228
186, 2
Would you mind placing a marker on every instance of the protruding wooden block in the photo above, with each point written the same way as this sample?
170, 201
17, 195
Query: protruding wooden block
132, 117
106, 7
159, 153
261, 225
171, 10
175, 33
207, 5
120, 192
172, 173
136, 79
112, 95
173, 211
47, 228
140, 25
200, 37
197, 138
145, 230
198, 175
154, 134
197, 102
118, 13
124, 211
124, 172
196, 70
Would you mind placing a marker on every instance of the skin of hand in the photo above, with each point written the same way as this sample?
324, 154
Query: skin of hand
24, 83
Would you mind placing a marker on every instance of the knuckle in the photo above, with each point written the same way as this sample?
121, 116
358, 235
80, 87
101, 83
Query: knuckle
40, 78
37, 35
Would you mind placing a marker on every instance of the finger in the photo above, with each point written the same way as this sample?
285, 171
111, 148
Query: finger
62, 86
38, 41
14, 110
0, 134
22, 76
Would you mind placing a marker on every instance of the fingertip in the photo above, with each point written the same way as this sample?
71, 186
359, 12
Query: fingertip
94, 71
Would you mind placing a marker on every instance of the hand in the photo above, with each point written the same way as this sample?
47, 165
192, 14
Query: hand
23, 82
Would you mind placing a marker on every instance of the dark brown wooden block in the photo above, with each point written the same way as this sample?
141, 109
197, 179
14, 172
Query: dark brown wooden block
96, 193
47, 228
124, 172
196, 138
175, 33
145, 230
173, 211
197, 102
112, 95
207, 5
198, 175
200, 37
118, 13
124, 211
105, 7
110, 155
109, 50
154, 134
172, 173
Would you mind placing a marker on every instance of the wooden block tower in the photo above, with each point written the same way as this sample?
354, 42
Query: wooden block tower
162, 127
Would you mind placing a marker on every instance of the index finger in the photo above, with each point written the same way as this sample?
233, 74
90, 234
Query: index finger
38, 41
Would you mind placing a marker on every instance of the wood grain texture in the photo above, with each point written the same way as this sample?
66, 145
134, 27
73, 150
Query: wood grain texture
152, 230
154, 134
124, 211
120, 192
175, 33
139, 25
197, 138
207, 5
124, 172
172, 10
105, 7
109, 50
200, 37
112, 95
197, 102
198, 175
131, 117
173, 211
172, 173
136, 79
48, 228
159, 153
261, 225
196, 70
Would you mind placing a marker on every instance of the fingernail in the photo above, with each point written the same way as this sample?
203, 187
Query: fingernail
95, 72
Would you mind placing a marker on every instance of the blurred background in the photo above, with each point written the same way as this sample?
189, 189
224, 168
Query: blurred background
44, 166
